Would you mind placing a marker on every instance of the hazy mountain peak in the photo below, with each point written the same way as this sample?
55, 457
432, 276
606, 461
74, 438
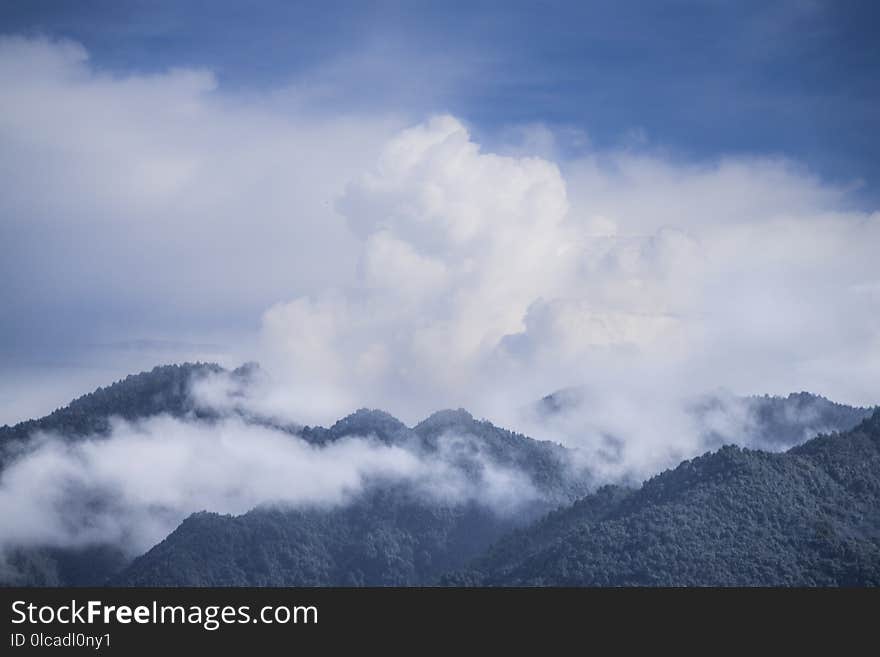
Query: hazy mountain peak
164, 389
445, 419
370, 422
247, 370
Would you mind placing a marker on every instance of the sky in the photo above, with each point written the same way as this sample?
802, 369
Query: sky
699, 78
420, 205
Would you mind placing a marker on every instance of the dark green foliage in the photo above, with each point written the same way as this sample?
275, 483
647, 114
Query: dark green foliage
164, 389
386, 538
364, 423
467, 443
810, 516
392, 535
88, 566
547, 464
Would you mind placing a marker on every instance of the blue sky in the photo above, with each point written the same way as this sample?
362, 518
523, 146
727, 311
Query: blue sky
699, 79
408, 204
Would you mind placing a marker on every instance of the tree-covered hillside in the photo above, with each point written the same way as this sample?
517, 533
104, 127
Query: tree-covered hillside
430, 531
391, 535
808, 517
385, 538
548, 464
164, 389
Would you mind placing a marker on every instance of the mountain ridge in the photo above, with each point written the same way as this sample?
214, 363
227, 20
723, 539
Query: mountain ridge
734, 517
807, 515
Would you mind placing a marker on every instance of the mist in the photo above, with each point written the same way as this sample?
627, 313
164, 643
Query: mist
130, 489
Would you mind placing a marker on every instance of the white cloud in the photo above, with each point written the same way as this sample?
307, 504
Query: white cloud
132, 488
652, 283
158, 205
409, 269
456, 245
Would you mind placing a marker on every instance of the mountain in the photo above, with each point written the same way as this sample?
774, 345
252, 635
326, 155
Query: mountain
49, 566
429, 532
774, 423
164, 389
391, 535
387, 537
810, 515
762, 422
735, 517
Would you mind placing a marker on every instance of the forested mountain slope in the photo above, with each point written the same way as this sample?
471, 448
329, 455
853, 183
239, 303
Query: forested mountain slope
736, 516
164, 389
386, 538
417, 533
808, 517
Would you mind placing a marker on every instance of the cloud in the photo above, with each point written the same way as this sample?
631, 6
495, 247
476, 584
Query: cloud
365, 263
474, 265
438, 283
157, 205
484, 282
132, 488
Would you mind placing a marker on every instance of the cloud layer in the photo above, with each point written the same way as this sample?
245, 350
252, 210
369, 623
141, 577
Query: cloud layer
365, 263
133, 488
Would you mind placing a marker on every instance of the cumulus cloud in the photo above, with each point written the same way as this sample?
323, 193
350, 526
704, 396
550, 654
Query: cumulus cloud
456, 245
410, 270
484, 282
487, 281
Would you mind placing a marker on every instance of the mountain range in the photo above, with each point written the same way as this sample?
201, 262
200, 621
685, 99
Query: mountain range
735, 517
809, 515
